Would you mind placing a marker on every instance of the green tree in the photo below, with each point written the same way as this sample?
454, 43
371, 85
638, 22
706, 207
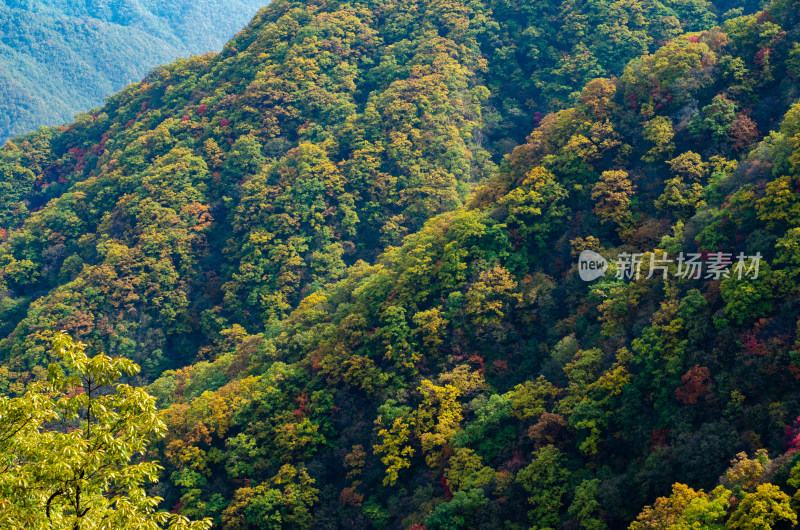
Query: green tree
715, 119
69, 446
466, 471
459, 513
284, 501
585, 508
545, 479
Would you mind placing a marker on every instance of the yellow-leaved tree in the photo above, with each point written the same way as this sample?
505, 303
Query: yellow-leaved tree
71, 449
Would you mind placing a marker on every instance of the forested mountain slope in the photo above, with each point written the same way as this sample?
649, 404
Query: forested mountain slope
224, 188
384, 318
58, 58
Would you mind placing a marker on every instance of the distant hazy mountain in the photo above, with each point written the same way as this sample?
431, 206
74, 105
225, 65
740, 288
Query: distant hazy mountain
60, 57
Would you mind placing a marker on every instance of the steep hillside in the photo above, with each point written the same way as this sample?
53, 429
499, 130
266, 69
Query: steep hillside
470, 372
224, 188
60, 58
359, 313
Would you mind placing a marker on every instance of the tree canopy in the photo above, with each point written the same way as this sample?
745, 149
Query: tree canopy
344, 252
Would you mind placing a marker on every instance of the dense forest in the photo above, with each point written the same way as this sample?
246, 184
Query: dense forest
61, 57
344, 250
